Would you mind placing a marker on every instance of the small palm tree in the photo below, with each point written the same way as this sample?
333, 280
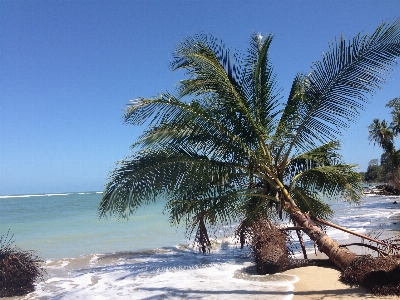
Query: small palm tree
225, 149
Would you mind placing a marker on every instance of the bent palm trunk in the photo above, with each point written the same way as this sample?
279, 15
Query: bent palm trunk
340, 256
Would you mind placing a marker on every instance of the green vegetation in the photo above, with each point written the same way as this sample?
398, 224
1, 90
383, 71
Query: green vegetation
374, 172
225, 149
383, 134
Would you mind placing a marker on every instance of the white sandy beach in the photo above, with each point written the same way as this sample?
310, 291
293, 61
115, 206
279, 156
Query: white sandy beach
317, 283
323, 282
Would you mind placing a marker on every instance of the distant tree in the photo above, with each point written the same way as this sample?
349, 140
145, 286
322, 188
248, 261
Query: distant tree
383, 135
395, 105
380, 133
373, 162
374, 174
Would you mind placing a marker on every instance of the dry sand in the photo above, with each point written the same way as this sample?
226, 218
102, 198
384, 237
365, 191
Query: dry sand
323, 282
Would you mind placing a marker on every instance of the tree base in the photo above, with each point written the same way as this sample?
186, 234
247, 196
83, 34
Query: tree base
269, 248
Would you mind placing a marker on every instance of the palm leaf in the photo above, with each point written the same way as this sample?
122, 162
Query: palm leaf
323, 103
148, 177
214, 75
259, 83
331, 182
193, 128
325, 155
311, 203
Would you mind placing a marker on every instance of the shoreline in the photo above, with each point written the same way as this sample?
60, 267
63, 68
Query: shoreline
317, 283
322, 282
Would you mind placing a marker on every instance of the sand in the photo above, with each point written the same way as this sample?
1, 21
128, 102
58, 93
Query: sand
323, 283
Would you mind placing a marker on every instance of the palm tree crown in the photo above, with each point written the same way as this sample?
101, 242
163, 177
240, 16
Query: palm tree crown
223, 148
382, 134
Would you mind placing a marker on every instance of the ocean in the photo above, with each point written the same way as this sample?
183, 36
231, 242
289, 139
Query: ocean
145, 258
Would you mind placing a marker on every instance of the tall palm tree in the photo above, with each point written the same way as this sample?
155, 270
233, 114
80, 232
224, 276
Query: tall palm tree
382, 134
224, 149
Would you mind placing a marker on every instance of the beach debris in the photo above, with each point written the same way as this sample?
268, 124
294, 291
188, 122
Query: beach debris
383, 189
379, 275
19, 269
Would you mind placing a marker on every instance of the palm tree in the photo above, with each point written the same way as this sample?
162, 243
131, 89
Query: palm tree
382, 134
395, 124
224, 150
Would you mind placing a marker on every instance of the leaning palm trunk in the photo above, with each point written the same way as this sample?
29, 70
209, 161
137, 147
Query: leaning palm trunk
340, 256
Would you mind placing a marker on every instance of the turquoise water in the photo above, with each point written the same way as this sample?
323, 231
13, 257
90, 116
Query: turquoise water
67, 225
146, 258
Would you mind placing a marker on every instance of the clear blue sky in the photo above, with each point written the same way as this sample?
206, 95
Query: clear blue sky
67, 69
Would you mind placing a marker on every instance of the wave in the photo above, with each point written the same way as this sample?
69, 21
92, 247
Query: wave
34, 195
174, 272
47, 195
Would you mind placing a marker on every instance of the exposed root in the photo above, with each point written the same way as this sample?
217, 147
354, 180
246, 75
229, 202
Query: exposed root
19, 269
380, 275
268, 245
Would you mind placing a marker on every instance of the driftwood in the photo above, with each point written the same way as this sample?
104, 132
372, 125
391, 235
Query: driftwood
386, 189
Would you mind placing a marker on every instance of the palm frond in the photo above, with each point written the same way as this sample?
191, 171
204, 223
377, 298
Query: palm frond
331, 182
336, 90
259, 82
209, 66
213, 73
325, 155
217, 205
193, 128
310, 202
148, 177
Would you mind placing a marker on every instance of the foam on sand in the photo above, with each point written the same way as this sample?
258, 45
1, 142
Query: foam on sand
171, 273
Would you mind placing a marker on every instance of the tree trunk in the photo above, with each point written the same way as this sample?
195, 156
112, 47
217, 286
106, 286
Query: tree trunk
340, 256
